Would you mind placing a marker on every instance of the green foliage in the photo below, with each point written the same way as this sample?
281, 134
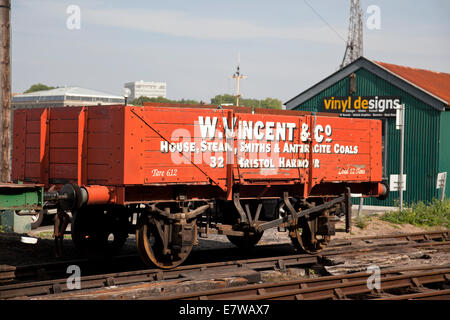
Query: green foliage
188, 101
268, 103
420, 214
38, 87
139, 101
362, 221
224, 99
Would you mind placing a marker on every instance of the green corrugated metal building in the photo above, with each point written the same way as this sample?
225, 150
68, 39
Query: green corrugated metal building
426, 96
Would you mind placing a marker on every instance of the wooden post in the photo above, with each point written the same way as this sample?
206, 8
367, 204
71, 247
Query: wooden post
5, 91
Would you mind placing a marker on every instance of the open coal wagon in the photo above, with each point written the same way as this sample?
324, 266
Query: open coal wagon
172, 173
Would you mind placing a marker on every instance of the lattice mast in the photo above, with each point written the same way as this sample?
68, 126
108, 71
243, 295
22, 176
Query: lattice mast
354, 48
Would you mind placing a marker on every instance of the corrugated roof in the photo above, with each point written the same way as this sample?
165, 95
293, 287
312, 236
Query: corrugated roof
68, 91
435, 83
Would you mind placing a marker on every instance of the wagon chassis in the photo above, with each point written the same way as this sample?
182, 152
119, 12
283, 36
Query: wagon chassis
167, 231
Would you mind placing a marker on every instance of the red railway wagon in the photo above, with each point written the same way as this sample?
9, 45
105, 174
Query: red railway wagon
173, 173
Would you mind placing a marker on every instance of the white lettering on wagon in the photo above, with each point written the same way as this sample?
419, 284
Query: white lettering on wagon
249, 130
257, 144
164, 173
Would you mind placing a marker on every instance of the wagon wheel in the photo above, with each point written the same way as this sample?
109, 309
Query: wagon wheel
304, 238
115, 231
247, 241
99, 230
250, 238
303, 231
150, 245
36, 220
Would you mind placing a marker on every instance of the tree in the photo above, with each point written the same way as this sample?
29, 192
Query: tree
139, 101
268, 103
38, 87
223, 99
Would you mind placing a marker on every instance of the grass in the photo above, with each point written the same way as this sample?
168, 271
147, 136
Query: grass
49, 235
420, 214
45, 234
362, 221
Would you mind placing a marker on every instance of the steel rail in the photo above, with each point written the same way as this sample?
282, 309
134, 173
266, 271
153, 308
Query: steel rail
186, 272
279, 262
415, 236
9, 273
120, 278
429, 295
343, 290
331, 287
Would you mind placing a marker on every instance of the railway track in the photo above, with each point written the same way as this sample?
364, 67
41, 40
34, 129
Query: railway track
151, 275
47, 271
331, 287
247, 268
417, 236
430, 295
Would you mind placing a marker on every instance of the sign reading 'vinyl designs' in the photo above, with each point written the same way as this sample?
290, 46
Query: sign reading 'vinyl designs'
361, 107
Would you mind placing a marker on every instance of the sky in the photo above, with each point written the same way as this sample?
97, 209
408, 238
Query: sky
284, 46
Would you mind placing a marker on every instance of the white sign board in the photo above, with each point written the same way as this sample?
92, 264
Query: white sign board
393, 182
400, 117
441, 179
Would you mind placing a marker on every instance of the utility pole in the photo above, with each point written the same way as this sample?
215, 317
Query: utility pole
354, 48
5, 91
400, 125
238, 76
402, 154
